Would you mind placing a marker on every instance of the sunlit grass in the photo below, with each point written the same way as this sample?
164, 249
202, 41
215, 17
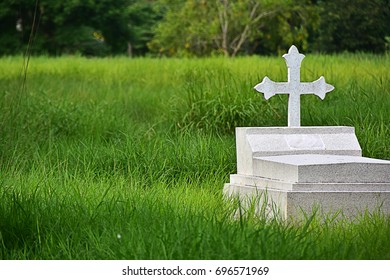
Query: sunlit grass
140, 148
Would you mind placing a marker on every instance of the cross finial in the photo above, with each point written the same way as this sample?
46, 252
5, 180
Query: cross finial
294, 87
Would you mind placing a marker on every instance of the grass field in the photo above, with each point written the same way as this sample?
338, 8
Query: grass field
122, 158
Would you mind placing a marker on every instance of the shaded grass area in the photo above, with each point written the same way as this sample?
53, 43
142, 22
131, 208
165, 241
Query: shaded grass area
187, 221
123, 221
126, 159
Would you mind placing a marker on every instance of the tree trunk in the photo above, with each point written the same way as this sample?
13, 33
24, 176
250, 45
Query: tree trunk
129, 50
224, 23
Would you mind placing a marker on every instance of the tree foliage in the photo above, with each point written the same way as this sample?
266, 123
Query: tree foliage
357, 25
192, 27
208, 27
93, 27
293, 24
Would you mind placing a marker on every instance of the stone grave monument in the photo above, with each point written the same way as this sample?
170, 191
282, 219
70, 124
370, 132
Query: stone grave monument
295, 170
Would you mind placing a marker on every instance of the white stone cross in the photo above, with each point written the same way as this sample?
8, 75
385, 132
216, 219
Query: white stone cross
294, 87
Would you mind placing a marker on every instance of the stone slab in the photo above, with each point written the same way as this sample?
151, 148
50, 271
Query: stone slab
273, 141
296, 205
265, 183
314, 168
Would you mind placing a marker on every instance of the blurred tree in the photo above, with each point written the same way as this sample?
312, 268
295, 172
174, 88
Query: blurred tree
187, 28
358, 25
198, 27
93, 27
241, 21
202, 27
293, 24
12, 25
143, 17
193, 27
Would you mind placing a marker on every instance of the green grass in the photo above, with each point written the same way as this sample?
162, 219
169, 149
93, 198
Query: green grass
126, 159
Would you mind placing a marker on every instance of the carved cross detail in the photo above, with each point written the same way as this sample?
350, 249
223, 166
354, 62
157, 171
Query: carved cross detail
294, 87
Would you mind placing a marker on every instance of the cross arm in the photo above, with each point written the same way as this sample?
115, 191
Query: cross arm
270, 88
318, 87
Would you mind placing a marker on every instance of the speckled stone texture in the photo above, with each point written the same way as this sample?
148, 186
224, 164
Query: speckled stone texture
296, 205
254, 142
322, 169
298, 170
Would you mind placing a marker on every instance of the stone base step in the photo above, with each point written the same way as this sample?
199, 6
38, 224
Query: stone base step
296, 205
266, 183
314, 168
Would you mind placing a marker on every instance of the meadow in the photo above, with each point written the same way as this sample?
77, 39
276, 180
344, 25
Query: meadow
117, 158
